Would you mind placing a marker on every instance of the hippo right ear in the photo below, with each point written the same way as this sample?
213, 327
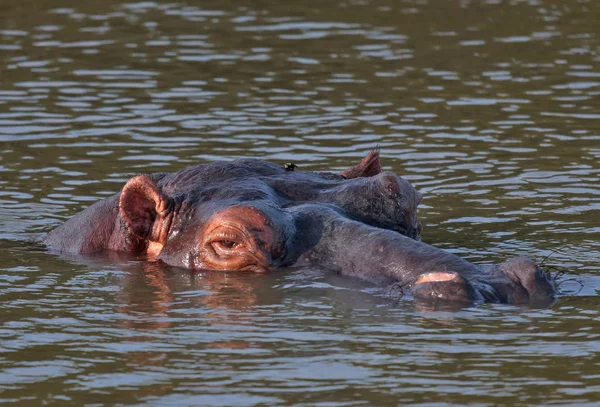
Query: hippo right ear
368, 167
145, 209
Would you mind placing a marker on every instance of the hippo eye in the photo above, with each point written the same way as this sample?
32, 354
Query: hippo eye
229, 244
237, 238
227, 241
222, 246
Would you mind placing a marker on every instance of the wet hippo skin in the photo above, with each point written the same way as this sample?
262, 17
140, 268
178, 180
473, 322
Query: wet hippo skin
252, 215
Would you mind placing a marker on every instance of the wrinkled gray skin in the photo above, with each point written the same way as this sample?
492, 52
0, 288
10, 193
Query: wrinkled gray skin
252, 215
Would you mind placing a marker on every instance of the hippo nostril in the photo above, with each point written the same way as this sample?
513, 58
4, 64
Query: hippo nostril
419, 227
414, 232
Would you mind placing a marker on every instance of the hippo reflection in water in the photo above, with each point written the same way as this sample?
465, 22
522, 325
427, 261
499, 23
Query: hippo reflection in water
251, 215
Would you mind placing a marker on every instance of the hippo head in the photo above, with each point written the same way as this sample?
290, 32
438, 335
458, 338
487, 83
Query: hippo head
254, 215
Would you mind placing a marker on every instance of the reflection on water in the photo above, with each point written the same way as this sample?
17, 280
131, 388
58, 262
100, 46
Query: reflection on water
489, 108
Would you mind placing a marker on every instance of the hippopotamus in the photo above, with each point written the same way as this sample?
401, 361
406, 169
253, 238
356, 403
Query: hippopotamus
257, 216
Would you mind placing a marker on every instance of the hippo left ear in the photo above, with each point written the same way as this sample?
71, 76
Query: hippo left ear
368, 167
145, 209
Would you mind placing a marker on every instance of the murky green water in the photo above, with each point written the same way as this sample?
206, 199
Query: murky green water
491, 108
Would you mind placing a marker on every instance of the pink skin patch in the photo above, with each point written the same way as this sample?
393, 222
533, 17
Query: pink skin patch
436, 277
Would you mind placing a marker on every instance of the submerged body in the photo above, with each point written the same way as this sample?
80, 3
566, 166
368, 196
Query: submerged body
257, 216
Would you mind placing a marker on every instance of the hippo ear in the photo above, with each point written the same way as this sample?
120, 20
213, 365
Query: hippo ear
368, 167
144, 208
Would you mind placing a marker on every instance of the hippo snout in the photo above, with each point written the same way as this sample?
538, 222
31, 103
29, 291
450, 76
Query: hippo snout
516, 281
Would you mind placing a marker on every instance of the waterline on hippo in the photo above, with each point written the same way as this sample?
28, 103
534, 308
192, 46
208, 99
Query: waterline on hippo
252, 215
